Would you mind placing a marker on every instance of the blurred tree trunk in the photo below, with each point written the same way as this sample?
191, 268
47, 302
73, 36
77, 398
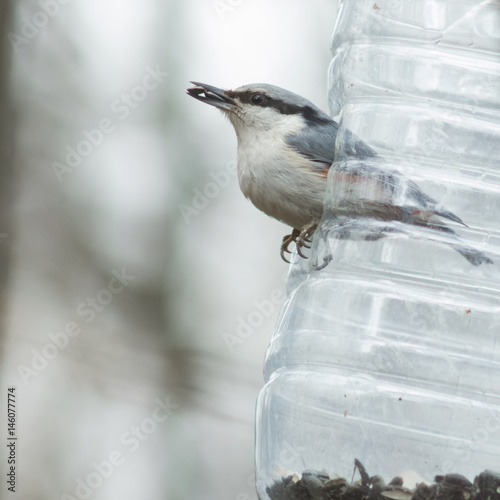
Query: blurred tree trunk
6, 156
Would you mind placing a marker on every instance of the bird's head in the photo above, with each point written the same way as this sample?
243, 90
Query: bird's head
261, 107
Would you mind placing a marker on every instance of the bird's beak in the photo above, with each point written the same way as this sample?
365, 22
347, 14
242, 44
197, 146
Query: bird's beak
212, 95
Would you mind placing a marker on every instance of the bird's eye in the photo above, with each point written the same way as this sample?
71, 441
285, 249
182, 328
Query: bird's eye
258, 98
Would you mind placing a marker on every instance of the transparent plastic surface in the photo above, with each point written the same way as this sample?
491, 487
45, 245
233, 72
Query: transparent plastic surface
386, 358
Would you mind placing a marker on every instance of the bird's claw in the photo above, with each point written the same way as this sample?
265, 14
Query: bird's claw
299, 251
287, 240
302, 239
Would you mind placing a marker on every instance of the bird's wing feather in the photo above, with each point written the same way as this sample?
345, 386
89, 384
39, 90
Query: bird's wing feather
318, 143
424, 200
353, 146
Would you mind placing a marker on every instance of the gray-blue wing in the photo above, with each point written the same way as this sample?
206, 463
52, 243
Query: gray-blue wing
317, 143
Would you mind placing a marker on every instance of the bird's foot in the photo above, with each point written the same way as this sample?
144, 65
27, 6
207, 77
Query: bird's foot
305, 236
302, 239
287, 240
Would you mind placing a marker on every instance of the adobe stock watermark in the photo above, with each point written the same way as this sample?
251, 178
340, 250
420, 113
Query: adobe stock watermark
289, 453
32, 26
251, 486
131, 441
255, 319
482, 434
222, 7
121, 108
88, 310
212, 189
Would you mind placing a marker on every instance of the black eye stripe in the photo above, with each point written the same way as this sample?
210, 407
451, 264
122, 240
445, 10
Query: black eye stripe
246, 97
307, 112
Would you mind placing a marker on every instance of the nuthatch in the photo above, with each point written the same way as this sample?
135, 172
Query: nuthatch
286, 146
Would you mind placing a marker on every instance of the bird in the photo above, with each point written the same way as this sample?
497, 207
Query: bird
286, 148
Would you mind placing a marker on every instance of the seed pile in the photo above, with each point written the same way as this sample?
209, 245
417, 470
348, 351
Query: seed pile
313, 485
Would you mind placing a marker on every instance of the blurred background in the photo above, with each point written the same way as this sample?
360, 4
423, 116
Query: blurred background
140, 288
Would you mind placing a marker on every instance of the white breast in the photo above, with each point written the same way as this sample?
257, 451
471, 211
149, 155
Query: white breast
277, 180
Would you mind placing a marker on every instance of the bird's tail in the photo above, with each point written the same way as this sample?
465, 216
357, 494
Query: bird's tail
475, 257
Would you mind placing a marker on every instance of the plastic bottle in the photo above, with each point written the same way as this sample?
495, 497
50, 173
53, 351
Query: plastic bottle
386, 358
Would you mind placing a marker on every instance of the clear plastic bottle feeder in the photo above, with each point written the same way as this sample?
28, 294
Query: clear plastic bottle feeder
383, 374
